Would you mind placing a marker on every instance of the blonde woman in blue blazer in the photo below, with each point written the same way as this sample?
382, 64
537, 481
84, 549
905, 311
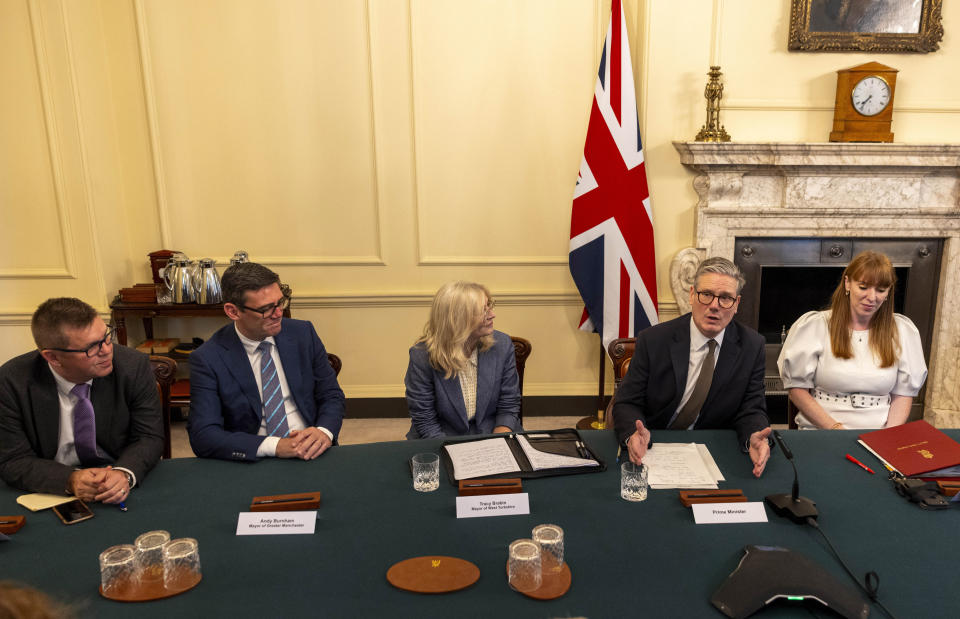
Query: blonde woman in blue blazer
462, 376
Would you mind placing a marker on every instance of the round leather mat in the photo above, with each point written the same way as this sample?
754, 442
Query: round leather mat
433, 574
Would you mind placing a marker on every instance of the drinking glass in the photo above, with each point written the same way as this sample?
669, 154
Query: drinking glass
633, 481
181, 563
426, 472
118, 570
149, 556
550, 538
524, 567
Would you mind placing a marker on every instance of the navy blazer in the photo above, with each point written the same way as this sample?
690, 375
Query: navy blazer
657, 378
436, 403
125, 403
225, 405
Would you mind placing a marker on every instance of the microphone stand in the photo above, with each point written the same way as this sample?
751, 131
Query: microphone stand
792, 506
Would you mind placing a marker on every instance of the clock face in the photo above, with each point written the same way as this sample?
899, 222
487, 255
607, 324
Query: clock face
871, 95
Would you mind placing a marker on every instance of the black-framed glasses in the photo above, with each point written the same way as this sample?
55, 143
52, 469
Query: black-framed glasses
268, 310
93, 349
706, 298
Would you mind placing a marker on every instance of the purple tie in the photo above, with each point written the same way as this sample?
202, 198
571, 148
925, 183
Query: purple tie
84, 426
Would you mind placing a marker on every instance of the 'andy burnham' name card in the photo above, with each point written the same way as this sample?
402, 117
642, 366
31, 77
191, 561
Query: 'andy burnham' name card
723, 513
482, 505
276, 523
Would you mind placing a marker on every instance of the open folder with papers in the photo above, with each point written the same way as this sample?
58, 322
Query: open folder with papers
521, 454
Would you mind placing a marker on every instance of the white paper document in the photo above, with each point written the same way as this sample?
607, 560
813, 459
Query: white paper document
276, 523
724, 513
679, 465
541, 460
481, 458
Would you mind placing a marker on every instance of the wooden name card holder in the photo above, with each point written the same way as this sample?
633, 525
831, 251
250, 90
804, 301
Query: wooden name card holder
730, 495
303, 501
11, 524
472, 487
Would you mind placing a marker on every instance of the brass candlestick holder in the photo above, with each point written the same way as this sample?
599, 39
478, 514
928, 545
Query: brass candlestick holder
713, 131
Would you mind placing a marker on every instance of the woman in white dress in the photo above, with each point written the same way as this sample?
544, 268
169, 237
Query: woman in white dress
858, 364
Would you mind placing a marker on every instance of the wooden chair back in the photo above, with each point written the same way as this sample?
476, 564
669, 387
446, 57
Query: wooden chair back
621, 352
164, 371
522, 349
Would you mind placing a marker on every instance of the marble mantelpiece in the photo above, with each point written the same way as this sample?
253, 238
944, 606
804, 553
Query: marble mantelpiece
836, 190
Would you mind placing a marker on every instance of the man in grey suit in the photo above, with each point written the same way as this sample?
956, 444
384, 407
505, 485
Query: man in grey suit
78, 415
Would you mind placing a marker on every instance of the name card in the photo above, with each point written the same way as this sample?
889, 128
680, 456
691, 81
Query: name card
724, 513
482, 505
276, 523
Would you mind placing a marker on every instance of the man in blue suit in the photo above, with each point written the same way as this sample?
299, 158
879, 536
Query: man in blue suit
262, 386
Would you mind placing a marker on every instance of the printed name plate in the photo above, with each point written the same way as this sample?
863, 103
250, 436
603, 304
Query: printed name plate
481, 505
276, 523
723, 513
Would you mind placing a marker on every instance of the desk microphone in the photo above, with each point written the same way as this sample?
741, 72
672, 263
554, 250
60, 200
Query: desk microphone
792, 506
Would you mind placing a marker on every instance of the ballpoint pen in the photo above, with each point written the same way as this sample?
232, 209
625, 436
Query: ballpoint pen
860, 464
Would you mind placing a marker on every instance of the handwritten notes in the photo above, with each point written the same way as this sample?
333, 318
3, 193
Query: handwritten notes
481, 458
678, 465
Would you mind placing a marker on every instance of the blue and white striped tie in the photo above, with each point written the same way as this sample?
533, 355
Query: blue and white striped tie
273, 410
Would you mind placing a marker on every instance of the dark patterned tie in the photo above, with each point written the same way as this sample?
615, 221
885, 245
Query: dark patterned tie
691, 409
272, 397
84, 426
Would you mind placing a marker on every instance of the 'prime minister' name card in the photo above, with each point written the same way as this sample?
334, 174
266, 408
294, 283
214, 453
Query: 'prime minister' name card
481, 505
276, 523
723, 513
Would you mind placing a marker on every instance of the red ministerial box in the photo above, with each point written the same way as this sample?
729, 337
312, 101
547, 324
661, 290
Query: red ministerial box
914, 448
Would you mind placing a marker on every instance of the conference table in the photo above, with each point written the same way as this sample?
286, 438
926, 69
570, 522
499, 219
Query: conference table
645, 559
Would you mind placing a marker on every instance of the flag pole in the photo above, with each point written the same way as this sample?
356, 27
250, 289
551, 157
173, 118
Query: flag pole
597, 422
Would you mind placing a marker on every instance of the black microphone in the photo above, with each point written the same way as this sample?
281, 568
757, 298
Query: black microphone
792, 506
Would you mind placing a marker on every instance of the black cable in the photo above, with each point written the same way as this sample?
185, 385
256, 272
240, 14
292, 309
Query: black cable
871, 581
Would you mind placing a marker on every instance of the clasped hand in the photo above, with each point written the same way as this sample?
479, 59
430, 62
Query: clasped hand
106, 485
305, 444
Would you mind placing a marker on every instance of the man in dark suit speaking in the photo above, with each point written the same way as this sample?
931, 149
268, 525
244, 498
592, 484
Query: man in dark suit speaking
79, 415
262, 386
700, 370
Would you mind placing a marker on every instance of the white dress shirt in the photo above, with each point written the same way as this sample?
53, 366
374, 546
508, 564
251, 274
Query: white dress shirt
268, 448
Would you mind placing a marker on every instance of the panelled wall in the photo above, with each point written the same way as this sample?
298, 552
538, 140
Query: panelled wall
370, 150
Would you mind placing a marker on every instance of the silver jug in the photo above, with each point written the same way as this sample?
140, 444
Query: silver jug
178, 275
206, 283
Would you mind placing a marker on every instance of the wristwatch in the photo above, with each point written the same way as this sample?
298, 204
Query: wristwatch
130, 479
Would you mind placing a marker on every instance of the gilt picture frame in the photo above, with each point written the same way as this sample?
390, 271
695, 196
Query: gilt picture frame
886, 26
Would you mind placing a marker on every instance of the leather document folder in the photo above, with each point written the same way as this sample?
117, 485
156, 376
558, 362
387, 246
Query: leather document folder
915, 448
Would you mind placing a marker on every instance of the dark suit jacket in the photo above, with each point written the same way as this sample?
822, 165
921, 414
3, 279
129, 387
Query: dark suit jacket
436, 403
225, 404
127, 408
657, 377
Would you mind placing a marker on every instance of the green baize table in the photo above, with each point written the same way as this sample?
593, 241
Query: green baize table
646, 559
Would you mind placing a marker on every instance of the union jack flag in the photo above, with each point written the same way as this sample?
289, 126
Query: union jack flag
611, 230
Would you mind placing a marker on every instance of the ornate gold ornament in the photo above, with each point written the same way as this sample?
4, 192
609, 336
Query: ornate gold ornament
713, 131
865, 25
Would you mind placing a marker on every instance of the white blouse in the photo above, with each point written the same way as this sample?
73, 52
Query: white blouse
807, 362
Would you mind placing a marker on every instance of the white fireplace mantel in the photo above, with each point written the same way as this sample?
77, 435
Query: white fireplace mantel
770, 189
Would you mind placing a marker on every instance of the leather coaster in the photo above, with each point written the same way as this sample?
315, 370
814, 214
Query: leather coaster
155, 590
552, 585
433, 574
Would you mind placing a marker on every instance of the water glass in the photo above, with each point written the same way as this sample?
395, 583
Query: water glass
181, 563
633, 481
426, 472
118, 570
550, 538
524, 567
149, 555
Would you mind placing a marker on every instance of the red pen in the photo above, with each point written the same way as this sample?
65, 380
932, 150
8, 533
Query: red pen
860, 464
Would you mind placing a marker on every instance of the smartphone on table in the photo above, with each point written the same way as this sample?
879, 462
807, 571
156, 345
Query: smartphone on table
73, 512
